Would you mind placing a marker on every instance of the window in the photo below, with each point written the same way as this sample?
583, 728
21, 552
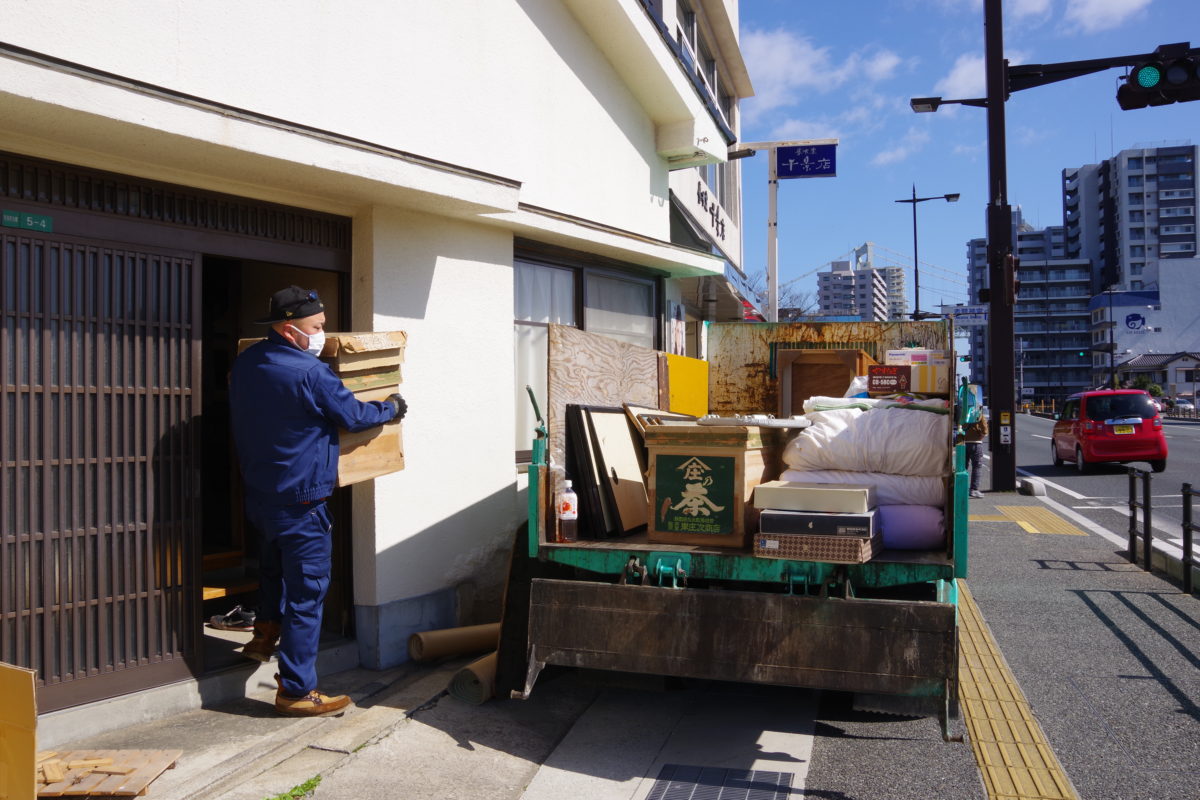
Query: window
1134, 162
1170, 229
1176, 194
1177, 247
1137, 250
1136, 267
1177, 211
620, 307
1137, 216
1135, 180
1135, 198
1135, 285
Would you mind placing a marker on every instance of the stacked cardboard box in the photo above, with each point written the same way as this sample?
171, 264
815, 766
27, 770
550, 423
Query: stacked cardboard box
369, 365
817, 522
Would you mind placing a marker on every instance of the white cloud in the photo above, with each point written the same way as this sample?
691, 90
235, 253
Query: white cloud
913, 141
965, 80
1099, 15
805, 129
784, 65
1029, 8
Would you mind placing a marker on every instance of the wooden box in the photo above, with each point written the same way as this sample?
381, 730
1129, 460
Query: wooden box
809, 373
702, 479
827, 549
369, 364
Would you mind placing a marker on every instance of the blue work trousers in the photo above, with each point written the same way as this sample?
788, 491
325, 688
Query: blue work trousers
294, 567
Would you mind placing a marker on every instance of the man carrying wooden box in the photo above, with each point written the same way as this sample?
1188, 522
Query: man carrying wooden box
286, 409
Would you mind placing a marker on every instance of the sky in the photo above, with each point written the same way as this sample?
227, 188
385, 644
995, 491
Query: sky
846, 69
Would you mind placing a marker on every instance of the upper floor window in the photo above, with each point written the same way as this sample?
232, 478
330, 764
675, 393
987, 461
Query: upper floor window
1170, 229
1177, 211
1176, 194
1134, 162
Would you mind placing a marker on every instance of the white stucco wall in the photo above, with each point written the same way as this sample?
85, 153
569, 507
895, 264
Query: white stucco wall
449, 285
513, 88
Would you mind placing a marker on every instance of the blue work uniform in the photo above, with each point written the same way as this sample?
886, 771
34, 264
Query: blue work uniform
286, 409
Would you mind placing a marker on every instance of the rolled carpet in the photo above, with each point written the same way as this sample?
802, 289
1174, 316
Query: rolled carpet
430, 645
476, 682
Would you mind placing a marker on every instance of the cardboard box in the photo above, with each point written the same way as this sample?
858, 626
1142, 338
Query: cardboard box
830, 497
369, 365
817, 523
929, 369
828, 549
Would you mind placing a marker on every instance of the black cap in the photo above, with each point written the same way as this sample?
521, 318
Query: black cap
292, 303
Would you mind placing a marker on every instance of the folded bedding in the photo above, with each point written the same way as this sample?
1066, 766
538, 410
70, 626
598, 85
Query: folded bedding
894, 439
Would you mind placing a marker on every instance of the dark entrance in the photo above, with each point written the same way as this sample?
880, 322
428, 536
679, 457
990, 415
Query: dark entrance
119, 316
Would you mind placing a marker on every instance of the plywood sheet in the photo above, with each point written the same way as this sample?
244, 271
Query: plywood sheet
593, 370
18, 731
687, 384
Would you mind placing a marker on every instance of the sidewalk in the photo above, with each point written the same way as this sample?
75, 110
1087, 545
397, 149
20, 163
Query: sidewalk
1104, 652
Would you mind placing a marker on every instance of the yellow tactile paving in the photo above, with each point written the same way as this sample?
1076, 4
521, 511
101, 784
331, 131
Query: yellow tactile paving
1014, 758
1035, 519
987, 518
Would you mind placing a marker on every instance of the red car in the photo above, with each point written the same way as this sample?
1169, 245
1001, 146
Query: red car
1110, 425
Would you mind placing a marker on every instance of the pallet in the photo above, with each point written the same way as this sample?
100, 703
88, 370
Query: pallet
104, 774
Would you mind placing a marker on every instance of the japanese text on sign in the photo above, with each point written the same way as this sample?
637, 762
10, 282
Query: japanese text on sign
806, 161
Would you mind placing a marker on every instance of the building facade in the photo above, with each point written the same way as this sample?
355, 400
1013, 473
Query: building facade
860, 289
1131, 213
467, 173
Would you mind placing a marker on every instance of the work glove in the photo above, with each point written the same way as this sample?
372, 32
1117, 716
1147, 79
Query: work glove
397, 402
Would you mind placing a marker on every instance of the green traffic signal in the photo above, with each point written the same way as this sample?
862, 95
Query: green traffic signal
1148, 76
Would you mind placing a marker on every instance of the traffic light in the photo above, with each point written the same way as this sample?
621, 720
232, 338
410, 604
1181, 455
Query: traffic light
964, 358
1172, 75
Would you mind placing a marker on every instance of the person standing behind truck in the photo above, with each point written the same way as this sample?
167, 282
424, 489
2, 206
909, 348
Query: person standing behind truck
286, 408
975, 433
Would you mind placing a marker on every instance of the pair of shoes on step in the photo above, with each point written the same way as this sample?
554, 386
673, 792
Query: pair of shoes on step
238, 619
313, 704
976, 493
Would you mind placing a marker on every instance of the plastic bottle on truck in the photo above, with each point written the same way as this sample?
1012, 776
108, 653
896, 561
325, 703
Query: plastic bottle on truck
568, 513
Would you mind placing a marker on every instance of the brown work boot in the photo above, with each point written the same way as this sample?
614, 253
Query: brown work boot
313, 704
262, 646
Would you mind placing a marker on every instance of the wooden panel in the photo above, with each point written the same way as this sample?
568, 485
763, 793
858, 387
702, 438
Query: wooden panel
593, 370
741, 375
622, 469
18, 731
687, 384
371, 453
888, 647
808, 373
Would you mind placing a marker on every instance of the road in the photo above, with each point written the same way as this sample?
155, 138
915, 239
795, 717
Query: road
1103, 495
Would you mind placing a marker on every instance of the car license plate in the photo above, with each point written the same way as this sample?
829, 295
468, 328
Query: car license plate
1119, 429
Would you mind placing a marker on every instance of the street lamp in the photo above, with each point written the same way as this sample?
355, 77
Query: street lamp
949, 198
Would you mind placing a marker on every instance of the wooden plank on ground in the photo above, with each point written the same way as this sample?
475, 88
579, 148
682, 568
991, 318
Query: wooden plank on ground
160, 762
135, 759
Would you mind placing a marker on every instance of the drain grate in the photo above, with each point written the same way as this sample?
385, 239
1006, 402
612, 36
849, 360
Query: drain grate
682, 782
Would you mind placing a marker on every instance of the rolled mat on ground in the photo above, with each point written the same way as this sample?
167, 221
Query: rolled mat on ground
476, 682
428, 645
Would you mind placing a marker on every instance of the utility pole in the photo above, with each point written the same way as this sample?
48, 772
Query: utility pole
999, 257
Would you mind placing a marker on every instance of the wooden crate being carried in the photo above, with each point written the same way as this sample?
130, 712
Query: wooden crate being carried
702, 481
369, 364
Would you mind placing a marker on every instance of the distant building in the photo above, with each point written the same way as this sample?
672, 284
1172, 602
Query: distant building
1131, 213
1177, 373
859, 289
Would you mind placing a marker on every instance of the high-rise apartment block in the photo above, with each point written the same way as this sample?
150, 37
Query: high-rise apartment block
858, 288
1115, 281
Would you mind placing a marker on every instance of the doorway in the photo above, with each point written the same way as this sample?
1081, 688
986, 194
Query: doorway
235, 292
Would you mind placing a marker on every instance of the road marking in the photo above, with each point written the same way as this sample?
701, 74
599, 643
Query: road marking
1060, 487
1122, 541
1035, 519
1038, 436
1014, 757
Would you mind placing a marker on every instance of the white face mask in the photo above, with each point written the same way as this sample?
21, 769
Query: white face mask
316, 341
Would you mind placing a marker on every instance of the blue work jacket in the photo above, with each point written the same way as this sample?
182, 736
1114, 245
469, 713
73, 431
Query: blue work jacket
286, 408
